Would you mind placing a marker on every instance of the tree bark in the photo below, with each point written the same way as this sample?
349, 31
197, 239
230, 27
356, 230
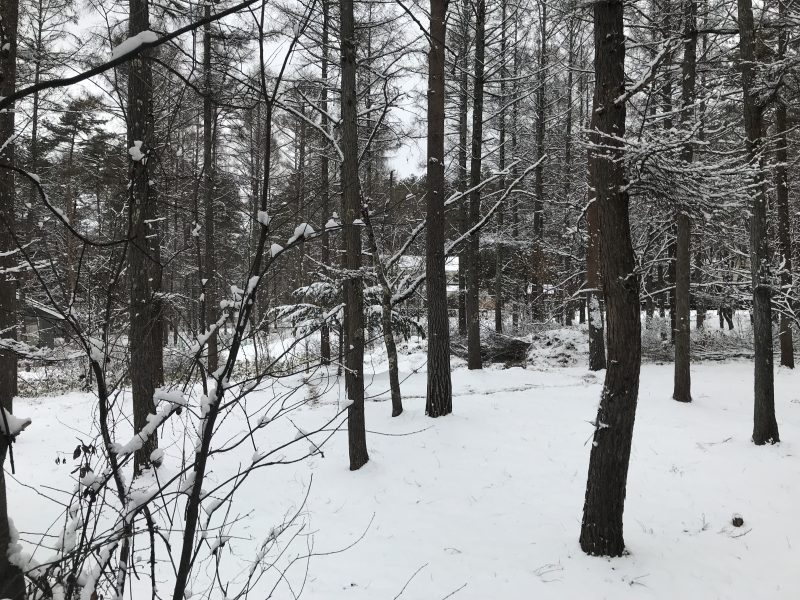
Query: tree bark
146, 356
463, 176
683, 255
538, 216
351, 209
12, 584
439, 399
209, 272
601, 530
499, 258
517, 292
569, 307
765, 426
473, 243
325, 332
386, 317
597, 344
782, 204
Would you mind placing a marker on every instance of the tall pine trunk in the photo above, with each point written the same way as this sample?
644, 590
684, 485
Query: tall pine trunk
12, 584
498, 274
146, 358
439, 399
569, 308
473, 243
386, 316
601, 529
597, 343
765, 426
463, 176
683, 253
325, 332
209, 303
782, 203
351, 209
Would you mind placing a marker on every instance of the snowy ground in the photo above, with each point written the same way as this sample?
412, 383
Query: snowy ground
488, 501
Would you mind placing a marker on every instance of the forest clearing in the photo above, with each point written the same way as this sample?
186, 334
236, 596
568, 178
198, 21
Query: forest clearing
392, 299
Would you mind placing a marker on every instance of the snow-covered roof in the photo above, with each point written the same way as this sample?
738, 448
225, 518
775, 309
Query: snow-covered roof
38, 306
415, 261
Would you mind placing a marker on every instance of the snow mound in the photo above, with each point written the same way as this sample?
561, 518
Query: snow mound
133, 43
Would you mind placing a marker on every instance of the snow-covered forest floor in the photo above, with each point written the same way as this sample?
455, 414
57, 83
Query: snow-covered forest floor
486, 503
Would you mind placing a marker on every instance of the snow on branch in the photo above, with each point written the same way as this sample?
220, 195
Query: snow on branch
11, 425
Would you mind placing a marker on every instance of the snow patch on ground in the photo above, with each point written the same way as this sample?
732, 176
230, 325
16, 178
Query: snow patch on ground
488, 500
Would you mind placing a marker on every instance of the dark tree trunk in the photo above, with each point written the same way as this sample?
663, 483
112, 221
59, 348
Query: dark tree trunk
538, 184
463, 176
439, 394
473, 243
650, 308
569, 308
597, 344
700, 301
12, 584
782, 205
601, 530
517, 292
146, 357
209, 272
672, 250
325, 332
765, 426
498, 279
683, 257
351, 209
386, 317
537, 295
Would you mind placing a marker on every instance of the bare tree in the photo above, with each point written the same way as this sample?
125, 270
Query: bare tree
353, 334
473, 283
683, 252
11, 582
440, 395
765, 427
146, 351
601, 529
782, 200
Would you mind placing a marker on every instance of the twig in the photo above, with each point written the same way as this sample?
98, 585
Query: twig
414, 574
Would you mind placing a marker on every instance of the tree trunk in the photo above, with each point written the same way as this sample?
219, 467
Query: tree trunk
601, 530
517, 292
473, 243
538, 298
672, 251
144, 268
463, 177
569, 308
782, 205
439, 399
498, 272
70, 211
325, 332
683, 256
351, 209
597, 344
538, 217
12, 584
765, 426
700, 296
386, 317
209, 272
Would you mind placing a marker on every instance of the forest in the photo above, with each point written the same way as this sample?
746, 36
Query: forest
361, 299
